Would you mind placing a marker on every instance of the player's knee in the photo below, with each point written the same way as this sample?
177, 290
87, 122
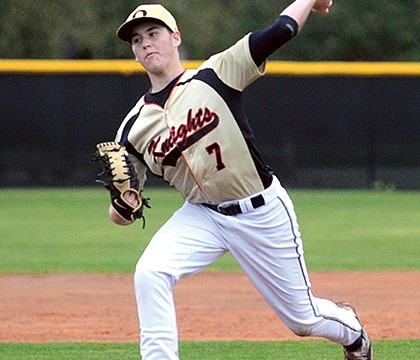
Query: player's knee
301, 330
144, 278
147, 281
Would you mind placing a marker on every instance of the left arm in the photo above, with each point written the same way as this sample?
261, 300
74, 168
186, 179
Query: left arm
264, 42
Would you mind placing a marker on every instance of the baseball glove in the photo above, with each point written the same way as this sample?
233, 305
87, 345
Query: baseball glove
119, 178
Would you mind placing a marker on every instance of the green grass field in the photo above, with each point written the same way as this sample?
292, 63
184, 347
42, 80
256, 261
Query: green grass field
67, 231
50, 230
204, 350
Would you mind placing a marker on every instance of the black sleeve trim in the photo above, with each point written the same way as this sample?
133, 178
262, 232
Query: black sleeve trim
124, 138
264, 42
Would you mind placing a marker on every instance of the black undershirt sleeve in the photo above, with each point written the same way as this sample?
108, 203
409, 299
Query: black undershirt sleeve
264, 42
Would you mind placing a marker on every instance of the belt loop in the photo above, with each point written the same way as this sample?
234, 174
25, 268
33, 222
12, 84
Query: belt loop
253, 203
246, 205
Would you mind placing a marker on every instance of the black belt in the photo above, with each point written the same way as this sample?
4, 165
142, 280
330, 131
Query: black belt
234, 208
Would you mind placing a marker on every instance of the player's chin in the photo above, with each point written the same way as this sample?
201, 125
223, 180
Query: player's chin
147, 61
154, 67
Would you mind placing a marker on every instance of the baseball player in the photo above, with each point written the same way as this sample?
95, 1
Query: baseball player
190, 129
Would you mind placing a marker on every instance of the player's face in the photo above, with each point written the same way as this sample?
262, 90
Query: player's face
155, 47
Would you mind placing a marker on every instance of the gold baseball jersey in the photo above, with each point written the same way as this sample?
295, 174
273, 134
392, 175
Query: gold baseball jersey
195, 134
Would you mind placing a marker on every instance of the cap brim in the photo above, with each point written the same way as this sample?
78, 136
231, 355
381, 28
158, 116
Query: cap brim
124, 32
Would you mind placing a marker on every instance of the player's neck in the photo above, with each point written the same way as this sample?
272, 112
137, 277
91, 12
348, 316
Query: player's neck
160, 80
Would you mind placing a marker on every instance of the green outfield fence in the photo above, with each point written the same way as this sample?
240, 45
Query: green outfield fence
319, 124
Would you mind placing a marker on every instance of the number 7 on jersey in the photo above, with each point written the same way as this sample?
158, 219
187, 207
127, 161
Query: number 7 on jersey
215, 149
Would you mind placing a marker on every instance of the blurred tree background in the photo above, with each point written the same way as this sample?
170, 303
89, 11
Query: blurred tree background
374, 30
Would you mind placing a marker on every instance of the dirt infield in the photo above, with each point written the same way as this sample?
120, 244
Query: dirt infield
210, 306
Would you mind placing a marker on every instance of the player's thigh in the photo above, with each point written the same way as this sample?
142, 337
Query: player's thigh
269, 249
271, 231
185, 244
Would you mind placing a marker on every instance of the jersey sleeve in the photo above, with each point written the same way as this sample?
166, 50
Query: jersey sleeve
122, 138
264, 42
141, 171
235, 66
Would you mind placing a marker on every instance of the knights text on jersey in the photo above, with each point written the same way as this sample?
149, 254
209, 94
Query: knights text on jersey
195, 134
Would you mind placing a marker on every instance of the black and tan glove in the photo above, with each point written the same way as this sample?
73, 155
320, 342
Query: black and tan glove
119, 178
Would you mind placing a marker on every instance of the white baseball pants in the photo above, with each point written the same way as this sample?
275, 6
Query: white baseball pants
267, 245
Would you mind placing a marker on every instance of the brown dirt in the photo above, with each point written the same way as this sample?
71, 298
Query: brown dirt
210, 306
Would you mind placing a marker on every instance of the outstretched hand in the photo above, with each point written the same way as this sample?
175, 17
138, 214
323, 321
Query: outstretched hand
322, 6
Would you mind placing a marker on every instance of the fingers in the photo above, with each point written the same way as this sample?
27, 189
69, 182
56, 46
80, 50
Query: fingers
322, 6
327, 10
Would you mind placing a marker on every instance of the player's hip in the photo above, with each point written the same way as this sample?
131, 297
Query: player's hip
253, 203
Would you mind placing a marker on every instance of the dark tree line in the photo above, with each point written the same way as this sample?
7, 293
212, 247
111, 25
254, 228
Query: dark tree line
374, 30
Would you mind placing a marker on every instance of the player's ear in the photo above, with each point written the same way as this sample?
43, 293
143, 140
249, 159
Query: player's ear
135, 55
176, 38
